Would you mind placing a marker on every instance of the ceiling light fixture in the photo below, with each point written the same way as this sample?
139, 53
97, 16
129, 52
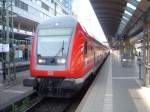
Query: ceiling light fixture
126, 12
131, 6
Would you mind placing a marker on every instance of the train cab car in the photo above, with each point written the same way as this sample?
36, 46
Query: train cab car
63, 57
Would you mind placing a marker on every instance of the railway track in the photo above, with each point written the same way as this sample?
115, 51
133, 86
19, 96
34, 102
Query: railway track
59, 104
50, 105
33, 105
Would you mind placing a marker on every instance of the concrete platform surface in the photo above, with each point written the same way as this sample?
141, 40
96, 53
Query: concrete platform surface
116, 88
13, 94
13, 91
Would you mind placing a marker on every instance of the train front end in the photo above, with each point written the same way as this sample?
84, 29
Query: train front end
50, 58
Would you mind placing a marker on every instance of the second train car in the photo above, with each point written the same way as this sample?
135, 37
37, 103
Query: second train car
63, 57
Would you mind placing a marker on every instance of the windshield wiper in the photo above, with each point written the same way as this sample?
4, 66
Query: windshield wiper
61, 49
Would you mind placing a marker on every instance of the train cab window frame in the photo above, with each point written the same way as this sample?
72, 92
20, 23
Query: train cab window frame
64, 41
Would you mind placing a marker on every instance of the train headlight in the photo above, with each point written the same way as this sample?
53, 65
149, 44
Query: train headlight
41, 61
61, 60
124, 60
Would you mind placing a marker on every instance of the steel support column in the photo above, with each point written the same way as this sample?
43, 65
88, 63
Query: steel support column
7, 40
55, 9
147, 49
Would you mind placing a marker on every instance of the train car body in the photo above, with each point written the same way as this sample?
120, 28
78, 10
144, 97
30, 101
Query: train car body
63, 56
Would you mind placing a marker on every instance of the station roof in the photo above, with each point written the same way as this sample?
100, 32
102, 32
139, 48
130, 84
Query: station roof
119, 16
109, 14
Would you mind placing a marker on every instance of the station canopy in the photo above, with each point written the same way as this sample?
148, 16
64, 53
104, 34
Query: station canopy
114, 15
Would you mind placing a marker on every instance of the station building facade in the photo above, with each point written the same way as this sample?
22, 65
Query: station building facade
32, 12
27, 14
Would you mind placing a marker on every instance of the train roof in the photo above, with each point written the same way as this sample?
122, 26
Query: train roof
65, 21
59, 21
94, 39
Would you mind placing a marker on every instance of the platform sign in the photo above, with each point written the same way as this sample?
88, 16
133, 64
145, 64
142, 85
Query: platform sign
121, 37
4, 47
20, 54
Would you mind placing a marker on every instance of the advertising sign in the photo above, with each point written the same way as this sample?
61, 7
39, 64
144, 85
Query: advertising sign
4, 47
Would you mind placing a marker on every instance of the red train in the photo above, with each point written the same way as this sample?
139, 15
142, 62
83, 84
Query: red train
63, 57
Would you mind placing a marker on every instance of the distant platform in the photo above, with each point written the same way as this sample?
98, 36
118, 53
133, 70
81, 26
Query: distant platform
20, 66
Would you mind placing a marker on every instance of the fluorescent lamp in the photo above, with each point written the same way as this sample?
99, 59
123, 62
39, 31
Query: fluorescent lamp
138, 0
131, 6
128, 13
125, 18
123, 22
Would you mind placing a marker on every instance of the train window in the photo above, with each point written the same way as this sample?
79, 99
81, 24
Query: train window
54, 42
53, 46
85, 48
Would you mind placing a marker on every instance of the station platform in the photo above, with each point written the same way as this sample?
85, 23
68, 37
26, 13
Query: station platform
14, 91
116, 88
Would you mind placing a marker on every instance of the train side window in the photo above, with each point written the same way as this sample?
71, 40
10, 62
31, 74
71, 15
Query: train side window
85, 47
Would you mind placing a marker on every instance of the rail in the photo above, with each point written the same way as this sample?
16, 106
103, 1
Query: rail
22, 104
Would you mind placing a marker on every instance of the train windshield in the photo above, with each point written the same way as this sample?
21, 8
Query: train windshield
53, 42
